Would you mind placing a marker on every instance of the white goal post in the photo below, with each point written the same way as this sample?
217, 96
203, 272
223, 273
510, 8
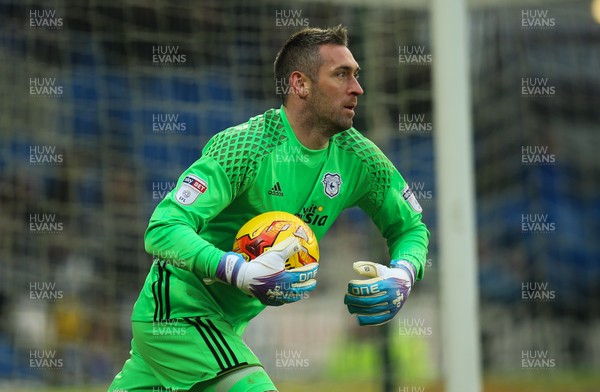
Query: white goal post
454, 167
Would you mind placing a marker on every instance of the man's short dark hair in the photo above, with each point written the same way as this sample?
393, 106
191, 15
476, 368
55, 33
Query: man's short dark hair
301, 53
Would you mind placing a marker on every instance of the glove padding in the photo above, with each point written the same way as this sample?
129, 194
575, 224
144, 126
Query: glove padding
266, 278
376, 301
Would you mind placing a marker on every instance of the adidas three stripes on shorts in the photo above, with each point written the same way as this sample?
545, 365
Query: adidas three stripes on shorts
177, 354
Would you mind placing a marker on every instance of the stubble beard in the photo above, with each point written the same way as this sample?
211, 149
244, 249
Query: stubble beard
326, 119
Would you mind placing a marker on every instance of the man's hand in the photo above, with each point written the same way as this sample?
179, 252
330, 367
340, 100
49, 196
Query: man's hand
376, 301
266, 278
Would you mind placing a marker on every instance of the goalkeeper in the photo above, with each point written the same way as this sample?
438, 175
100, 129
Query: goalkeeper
303, 157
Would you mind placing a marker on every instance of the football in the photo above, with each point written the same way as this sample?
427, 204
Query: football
262, 232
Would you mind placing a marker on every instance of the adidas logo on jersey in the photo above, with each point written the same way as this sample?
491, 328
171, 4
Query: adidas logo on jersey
276, 190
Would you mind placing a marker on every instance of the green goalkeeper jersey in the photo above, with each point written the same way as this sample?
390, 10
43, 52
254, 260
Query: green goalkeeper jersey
256, 167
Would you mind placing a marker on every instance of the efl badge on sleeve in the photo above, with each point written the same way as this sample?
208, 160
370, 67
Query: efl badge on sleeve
190, 188
332, 183
409, 196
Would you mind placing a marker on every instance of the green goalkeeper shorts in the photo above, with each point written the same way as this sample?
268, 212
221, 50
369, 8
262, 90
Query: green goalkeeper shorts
175, 355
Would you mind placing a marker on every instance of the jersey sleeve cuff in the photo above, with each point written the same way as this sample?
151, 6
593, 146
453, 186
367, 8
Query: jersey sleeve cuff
205, 265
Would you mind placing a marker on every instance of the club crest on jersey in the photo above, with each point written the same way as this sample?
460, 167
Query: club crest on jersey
191, 187
332, 183
409, 196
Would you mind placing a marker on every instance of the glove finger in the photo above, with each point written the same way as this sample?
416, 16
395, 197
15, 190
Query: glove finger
366, 268
302, 274
307, 267
377, 285
286, 248
365, 301
374, 319
304, 287
354, 309
361, 288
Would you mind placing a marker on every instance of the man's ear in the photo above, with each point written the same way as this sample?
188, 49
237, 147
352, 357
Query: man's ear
299, 84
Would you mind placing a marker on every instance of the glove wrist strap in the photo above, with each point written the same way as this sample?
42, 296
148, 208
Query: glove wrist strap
229, 267
407, 266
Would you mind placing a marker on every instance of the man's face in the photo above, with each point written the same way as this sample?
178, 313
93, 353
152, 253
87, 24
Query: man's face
333, 98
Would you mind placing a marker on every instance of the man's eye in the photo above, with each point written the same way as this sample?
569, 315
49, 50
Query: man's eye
356, 76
